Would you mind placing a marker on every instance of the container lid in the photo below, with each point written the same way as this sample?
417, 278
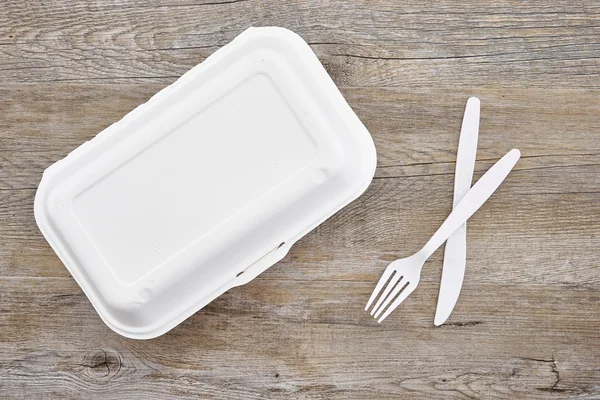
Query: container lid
207, 184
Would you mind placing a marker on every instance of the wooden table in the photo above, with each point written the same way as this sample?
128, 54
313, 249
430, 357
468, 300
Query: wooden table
527, 324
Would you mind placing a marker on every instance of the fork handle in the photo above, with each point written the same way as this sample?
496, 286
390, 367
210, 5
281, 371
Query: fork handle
472, 200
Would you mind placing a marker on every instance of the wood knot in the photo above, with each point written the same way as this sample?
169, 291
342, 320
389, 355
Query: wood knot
100, 363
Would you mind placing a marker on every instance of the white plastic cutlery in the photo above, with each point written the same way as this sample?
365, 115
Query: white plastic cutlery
402, 276
455, 252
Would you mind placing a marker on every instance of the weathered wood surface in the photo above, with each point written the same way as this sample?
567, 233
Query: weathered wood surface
527, 324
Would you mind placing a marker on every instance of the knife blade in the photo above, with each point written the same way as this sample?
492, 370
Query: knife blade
455, 252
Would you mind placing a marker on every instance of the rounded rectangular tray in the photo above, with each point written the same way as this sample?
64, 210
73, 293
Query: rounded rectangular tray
207, 184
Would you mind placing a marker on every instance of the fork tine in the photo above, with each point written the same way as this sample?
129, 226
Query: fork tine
390, 285
385, 295
405, 293
401, 284
386, 275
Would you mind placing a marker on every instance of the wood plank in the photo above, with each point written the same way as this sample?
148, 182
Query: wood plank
297, 342
415, 131
409, 44
515, 238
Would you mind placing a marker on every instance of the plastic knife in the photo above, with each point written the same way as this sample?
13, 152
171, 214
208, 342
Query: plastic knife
455, 252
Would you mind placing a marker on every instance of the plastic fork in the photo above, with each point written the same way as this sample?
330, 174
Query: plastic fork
402, 276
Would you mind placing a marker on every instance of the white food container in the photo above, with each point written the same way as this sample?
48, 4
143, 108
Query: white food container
207, 184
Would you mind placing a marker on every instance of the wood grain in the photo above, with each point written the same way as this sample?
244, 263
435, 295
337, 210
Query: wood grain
303, 344
528, 321
362, 43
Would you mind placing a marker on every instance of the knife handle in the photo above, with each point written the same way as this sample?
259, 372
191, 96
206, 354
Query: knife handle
471, 202
467, 150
